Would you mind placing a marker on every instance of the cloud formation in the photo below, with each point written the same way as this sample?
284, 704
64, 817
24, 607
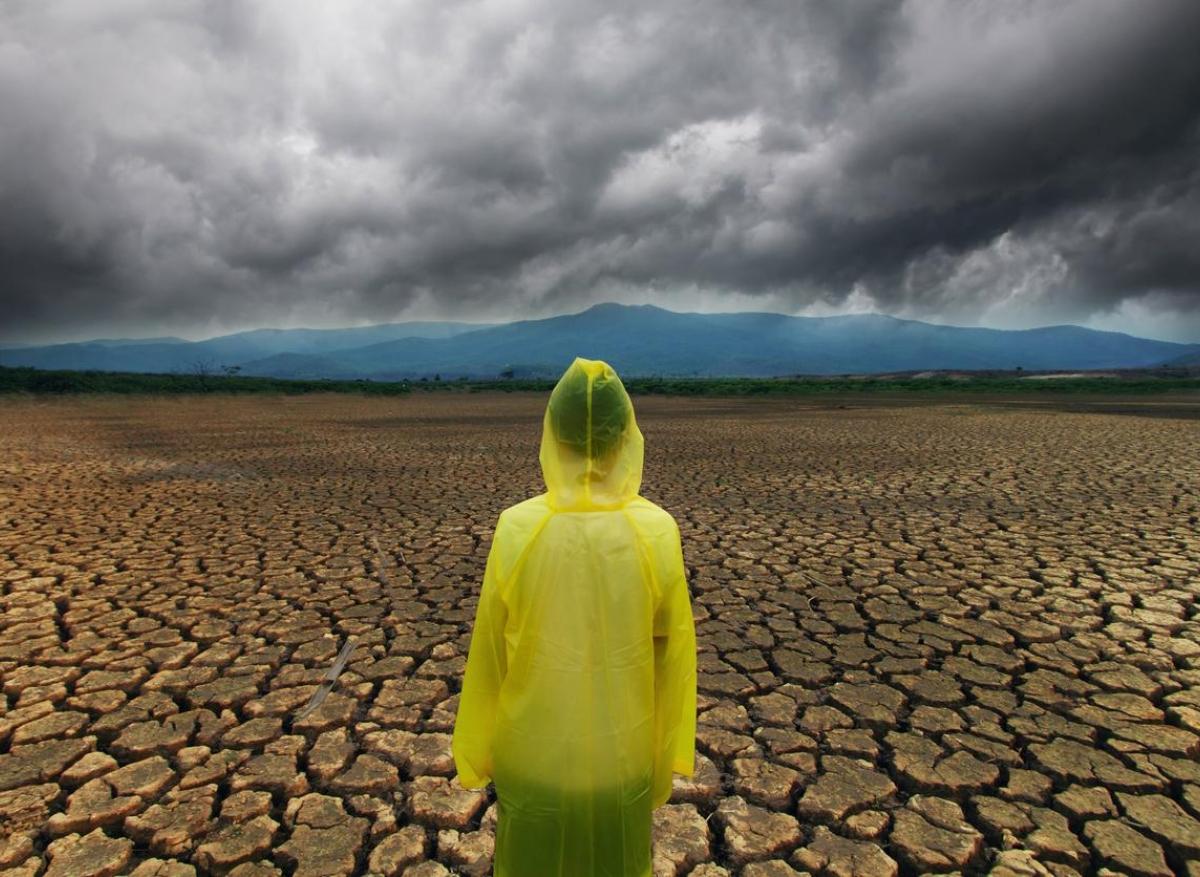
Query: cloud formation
211, 164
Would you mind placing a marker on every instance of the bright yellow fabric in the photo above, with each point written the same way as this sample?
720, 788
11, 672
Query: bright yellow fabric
579, 695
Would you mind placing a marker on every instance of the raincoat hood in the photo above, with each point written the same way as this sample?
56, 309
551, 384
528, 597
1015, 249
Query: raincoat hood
591, 453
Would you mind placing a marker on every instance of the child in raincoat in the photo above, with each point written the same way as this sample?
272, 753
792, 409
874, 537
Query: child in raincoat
579, 695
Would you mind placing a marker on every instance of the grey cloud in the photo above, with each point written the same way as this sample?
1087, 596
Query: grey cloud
233, 164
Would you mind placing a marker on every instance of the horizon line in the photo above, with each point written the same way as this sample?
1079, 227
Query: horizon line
494, 324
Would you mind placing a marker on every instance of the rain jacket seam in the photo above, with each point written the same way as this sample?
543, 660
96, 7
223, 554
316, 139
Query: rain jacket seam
504, 583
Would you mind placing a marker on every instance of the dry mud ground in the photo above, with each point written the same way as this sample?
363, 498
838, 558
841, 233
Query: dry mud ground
955, 637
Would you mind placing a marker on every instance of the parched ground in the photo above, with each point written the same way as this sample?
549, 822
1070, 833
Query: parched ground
933, 638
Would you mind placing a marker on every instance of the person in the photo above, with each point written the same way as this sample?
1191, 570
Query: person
579, 693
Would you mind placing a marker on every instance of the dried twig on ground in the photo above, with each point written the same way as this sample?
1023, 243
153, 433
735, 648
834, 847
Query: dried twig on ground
379, 561
330, 678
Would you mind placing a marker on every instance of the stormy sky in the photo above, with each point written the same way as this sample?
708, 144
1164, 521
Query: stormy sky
190, 168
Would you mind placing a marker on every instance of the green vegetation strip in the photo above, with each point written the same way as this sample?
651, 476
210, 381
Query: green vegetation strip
32, 380
38, 381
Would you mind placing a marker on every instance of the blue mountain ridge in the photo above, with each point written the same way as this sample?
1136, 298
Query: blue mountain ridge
177, 355
638, 340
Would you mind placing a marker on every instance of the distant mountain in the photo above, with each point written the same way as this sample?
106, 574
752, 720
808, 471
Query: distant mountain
646, 340
134, 342
637, 340
1188, 359
177, 355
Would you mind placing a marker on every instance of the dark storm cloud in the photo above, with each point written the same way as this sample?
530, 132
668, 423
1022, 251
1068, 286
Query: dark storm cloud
223, 164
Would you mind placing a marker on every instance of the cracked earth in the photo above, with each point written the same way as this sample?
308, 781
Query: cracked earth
952, 638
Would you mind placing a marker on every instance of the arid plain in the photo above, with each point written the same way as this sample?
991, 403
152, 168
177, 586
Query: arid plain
954, 636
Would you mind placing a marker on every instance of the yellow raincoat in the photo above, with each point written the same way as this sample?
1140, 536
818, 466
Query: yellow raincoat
579, 695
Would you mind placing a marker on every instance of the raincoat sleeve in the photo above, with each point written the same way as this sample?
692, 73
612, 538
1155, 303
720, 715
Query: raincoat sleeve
674, 678
487, 665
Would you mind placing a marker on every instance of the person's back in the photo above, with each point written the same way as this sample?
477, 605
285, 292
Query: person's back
579, 695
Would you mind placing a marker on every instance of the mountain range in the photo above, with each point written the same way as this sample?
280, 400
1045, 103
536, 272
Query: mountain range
636, 339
